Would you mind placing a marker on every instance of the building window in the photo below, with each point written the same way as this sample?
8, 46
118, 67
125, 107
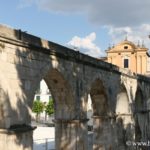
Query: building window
125, 47
38, 98
126, 63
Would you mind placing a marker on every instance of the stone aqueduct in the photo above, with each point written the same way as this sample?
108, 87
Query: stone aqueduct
120, 98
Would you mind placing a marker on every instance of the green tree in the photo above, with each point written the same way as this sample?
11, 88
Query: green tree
38, 107
50, 107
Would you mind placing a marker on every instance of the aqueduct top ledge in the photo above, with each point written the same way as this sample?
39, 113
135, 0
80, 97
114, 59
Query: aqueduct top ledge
23, 39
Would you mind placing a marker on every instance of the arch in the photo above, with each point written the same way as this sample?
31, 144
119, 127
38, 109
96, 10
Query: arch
123, 108
122, 102
99, 98
101, 121
124, 117
64, 109
61, 93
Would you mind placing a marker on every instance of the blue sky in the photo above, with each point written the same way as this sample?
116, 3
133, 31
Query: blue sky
90, 26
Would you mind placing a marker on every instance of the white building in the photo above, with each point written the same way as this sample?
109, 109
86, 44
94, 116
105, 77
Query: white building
43, 94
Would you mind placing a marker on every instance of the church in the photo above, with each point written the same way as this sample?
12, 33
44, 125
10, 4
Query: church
130, 56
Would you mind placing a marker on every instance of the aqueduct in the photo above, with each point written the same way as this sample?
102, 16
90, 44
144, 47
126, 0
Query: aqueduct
120, 98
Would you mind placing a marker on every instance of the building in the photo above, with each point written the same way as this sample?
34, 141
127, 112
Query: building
128, 55
43, 93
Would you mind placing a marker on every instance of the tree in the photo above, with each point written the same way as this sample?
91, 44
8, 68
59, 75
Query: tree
50, 107
38, 107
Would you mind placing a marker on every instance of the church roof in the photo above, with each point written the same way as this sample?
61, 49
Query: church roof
126, 42
126, 46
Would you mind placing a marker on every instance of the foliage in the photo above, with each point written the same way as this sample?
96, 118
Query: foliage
38, 107
50, 107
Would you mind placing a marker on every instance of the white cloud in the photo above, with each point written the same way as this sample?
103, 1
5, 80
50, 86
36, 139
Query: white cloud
121, 17
134, 34
102, 12
86, 45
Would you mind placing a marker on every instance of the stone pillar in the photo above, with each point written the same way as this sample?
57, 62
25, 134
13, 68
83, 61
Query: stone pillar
15, 131
101, 133
12, 140
71, 134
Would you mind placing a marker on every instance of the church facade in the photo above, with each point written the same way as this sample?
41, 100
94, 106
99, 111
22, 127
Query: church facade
130, 56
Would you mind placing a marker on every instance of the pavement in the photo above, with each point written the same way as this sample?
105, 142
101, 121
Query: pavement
44, 138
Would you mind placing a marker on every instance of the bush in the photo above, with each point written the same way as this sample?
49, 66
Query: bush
38, 107
50, 107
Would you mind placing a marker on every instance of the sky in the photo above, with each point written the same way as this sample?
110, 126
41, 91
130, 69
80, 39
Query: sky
89, 26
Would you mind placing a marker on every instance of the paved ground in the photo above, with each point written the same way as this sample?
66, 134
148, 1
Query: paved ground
44, 138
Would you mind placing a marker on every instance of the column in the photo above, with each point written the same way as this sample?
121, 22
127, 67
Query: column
102, 137
19, 138
71, 134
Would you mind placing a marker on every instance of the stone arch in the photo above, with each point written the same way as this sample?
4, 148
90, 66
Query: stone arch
123, 109
99, 98
124, 117
101, 120
61, 93
64, 111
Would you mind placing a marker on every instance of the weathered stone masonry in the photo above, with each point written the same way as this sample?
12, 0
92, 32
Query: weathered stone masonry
120, 98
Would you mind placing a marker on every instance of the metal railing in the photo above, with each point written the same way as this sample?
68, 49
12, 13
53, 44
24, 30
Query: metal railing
44, 144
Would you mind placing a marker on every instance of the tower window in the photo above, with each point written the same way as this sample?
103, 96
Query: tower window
126, 63
125, 47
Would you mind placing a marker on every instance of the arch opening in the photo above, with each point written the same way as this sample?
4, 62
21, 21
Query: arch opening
99, 121
59, 91
124, 118
123, 110
62, 95
99, 99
